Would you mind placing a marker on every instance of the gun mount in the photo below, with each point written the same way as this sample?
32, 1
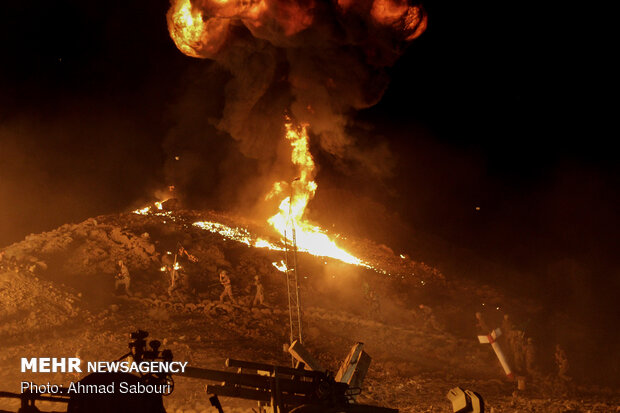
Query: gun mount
282, 389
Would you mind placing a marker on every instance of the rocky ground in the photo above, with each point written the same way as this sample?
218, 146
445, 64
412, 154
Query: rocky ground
60, 300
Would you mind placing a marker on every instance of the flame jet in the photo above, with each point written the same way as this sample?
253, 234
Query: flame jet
310, 238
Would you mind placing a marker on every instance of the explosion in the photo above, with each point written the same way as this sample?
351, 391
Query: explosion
192, 35
317, 61
200, 28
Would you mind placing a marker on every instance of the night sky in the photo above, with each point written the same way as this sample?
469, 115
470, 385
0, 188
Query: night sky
501, 107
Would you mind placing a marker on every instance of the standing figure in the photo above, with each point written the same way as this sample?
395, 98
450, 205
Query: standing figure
225, 281
375, 304
174, 278
517, 345
530, 357
259, 298
506, 339
507, 327
371, 300
481, 325
122, 277
429, 317
562, 362
171, 267
174, 265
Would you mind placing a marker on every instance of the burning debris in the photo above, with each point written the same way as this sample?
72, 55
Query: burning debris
237, 234
290, 222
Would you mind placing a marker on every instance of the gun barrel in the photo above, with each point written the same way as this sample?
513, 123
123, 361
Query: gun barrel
33, 396
249, 380
271, 368
253, 394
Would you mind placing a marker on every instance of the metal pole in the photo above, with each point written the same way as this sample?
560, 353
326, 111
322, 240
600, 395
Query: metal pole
295, 274
297, 283
277, 398
288, 287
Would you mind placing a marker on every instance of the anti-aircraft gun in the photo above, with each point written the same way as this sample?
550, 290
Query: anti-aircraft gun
282, 389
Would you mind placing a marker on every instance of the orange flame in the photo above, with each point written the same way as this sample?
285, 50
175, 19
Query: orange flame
290, 218
192, 34
201, 28
397, 13
388, 11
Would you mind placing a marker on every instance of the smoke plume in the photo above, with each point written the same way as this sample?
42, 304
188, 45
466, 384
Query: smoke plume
317, 61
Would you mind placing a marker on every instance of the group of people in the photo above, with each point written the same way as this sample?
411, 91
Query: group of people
122, 277
171, 266
259, 297
521, 351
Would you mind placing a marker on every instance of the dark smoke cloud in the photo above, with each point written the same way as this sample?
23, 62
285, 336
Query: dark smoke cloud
315, 61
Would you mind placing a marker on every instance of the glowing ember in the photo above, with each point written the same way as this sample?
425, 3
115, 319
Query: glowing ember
143, 211
156, 209
261, 243
236, 234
